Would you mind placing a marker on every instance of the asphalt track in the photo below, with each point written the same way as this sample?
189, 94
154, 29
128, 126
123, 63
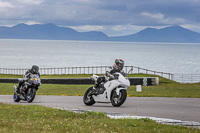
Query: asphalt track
185, 109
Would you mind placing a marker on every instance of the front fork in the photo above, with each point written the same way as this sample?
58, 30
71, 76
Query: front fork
118, 90
110, 85
15, 88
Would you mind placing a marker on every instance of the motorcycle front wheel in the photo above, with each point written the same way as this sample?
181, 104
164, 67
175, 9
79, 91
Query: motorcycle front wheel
16, 98
87, 98
118, 100
30, 94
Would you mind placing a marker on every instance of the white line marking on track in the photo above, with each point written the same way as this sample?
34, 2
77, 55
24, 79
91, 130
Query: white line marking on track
159, 120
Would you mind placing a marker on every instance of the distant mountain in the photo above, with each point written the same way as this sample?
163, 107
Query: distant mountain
48, 32
169, 34
53, 32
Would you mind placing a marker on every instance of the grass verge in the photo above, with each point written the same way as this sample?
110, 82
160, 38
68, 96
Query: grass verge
166, 88
34, 118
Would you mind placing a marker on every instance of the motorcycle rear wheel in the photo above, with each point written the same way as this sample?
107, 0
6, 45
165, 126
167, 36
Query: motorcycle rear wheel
118, 100
87, 98
30, 95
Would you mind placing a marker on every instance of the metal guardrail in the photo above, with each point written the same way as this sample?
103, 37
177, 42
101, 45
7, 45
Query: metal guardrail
186, 78
183, 78
145, 81
83, 70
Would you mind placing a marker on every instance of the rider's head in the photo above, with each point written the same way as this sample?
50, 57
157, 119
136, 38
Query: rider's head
35, 69
119, 64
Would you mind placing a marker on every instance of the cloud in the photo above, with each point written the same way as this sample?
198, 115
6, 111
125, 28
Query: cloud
115, 15
113, 12
116, 30
32, 22
86, 28
31, 2
160, 18
119, 28
5, 5
195, 27
154, 16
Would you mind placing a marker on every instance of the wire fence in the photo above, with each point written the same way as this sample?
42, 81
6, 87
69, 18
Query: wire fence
84, 70
186, 78
183, 78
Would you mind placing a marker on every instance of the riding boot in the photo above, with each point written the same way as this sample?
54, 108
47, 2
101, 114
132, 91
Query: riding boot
24, 88
101, 89
96, 89
17, 89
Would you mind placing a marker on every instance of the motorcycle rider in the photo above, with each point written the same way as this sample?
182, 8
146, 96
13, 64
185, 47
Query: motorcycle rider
117, 67
34, 70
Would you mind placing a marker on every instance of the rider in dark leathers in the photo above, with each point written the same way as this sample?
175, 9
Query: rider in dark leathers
117, 67
33, 70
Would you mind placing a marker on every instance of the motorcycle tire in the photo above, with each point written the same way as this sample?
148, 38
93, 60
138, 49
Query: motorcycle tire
118, 100
88, 100
16, 98
30, 95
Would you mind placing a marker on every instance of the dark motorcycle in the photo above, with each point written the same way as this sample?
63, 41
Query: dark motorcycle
28, 90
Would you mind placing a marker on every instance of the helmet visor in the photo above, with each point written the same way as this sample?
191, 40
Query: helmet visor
120, 66
119, 63
35, 69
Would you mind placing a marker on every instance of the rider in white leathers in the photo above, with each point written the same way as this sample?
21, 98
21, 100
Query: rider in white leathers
117, 67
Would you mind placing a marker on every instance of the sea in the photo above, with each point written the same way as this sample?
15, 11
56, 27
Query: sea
163, 57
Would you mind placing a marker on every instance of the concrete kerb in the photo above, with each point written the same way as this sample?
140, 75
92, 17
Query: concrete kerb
167, 121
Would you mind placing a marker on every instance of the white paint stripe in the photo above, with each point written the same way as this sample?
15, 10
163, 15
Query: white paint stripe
159, 120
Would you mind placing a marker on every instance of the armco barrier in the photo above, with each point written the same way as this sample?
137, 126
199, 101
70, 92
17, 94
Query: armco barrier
145, 81
2, 80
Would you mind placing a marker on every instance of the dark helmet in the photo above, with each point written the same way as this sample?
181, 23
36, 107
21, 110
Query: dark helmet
35, 69
119, 64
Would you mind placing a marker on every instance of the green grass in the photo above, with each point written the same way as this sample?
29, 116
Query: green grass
166, 88
10, 76
38, 119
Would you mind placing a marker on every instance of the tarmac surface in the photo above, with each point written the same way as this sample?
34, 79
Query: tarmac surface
186, 110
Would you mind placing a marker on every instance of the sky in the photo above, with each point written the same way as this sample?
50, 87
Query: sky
113, 17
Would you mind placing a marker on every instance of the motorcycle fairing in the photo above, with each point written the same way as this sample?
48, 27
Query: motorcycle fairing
110, 85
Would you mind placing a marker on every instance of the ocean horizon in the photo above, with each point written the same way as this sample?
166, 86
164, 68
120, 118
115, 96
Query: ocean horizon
162, 57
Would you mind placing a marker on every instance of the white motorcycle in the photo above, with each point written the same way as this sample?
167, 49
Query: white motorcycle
114, 91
